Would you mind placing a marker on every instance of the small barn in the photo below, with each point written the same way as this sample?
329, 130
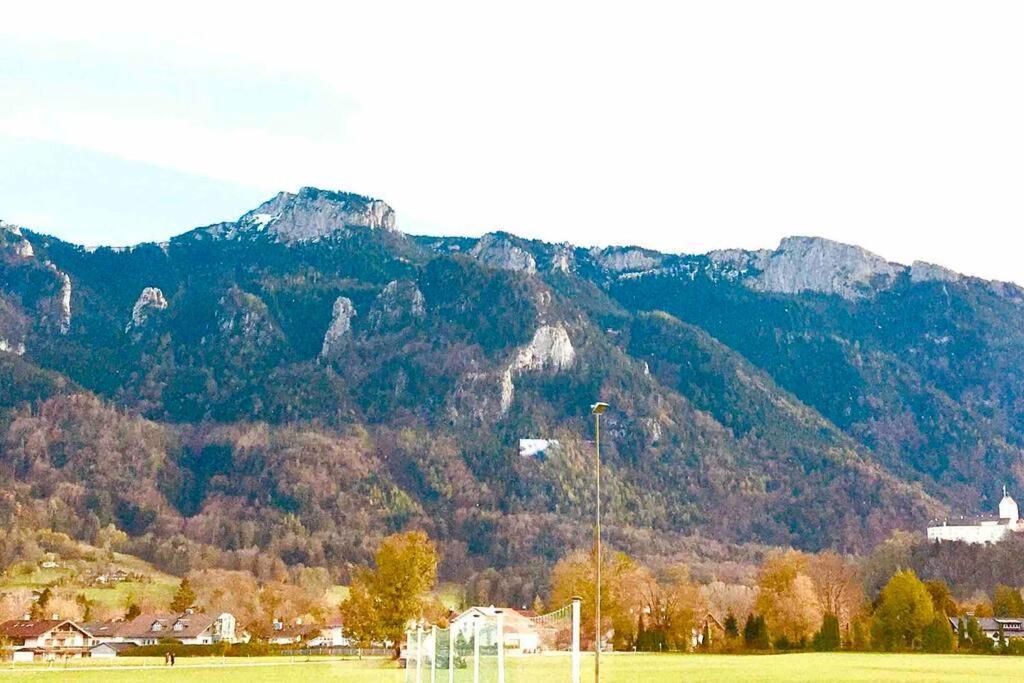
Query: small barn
108, 650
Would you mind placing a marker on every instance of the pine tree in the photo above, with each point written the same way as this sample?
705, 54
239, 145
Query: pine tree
937, 636
184, 598
755, 633
732, 629
827, 638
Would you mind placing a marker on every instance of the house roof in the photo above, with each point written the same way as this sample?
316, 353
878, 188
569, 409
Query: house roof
33, 628
116, 647
512, 620
161, 625
294, 630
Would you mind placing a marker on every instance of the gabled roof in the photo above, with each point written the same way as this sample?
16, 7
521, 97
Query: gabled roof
512, 619
162, 625
33, 628
116, 647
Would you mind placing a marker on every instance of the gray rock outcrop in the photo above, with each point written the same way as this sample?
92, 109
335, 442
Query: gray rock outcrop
341, 326
150, 301
498, 251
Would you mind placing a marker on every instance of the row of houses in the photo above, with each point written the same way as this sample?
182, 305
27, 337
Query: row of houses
27, 639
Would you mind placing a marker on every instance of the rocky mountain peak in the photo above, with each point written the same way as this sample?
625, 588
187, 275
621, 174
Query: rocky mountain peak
815, 264
499, 250
309, 215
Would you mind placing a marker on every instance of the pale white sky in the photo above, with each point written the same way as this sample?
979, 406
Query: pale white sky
680, 126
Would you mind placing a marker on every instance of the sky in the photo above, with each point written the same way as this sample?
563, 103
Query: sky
684, 126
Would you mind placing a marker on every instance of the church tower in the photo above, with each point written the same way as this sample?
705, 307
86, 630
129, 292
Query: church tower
1008, 508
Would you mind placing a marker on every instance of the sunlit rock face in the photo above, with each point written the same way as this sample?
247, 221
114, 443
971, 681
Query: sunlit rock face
921, 271
625, 259
497, 251
550, 350
307, 216
340, 329
150, 301
813, 264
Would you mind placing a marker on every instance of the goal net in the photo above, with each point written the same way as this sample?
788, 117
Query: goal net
500, 645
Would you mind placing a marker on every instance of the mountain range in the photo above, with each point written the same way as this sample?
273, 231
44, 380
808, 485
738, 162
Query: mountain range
286, 388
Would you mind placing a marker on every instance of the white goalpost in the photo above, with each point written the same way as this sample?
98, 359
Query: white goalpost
488, 644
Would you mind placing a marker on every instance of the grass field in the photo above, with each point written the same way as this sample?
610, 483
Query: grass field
619, 668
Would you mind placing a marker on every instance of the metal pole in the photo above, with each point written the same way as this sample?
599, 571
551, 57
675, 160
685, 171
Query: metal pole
597, 631
451, 652
419, 654
501, 647
575, 640
408, 655
476, 648
433, 654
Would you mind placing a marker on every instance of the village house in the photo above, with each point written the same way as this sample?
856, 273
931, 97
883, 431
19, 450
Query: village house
28, 638
331, 634
291, 634
187, 628
1012, 628
519, 631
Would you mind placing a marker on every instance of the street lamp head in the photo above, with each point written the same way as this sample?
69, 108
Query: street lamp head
598, 408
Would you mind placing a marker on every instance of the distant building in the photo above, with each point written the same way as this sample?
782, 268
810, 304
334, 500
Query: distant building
109, 650
532, 448
47, 638
980, 529
331, 634
519, 631
188, 628
291, 634
1012, 628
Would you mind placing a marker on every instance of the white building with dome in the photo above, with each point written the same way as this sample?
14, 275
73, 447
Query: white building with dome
980, 529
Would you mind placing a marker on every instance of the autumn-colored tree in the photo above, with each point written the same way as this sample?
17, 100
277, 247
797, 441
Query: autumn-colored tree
184, 598
385, 598
938, 636
904, 610
672, 605
1007, 602
623, 583
942, 597
788, 599
837, 583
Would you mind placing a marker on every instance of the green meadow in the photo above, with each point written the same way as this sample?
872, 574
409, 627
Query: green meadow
618, 668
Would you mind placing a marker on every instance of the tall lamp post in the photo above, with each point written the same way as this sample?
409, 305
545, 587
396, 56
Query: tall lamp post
596, 410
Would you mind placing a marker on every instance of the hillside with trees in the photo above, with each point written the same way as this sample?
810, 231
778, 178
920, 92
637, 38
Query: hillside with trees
283, 391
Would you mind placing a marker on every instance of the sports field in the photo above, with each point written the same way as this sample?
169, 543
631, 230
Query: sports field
619, 668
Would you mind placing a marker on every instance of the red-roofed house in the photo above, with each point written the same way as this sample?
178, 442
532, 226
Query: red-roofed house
29, 638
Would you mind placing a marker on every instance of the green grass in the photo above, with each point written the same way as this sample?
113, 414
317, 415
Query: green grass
618, 668
159, 587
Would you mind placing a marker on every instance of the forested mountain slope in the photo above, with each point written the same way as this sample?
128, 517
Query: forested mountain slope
287, 387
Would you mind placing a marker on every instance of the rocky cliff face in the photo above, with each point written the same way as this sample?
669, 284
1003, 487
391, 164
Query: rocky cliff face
625, 259
550, 350
307, 216
498, 251
150, 301
812, 264
400, 304
341, 326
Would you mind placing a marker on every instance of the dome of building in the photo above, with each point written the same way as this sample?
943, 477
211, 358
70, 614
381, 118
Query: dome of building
1008, 508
